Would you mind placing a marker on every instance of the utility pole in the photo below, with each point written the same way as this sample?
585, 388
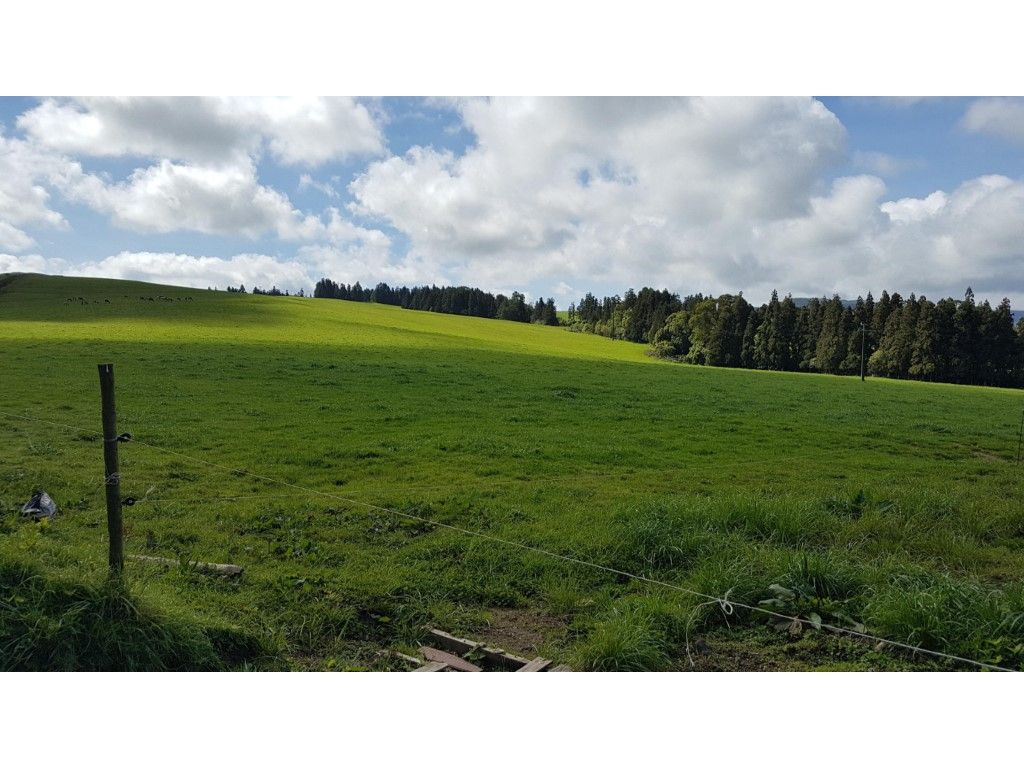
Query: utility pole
863, 333
110, 469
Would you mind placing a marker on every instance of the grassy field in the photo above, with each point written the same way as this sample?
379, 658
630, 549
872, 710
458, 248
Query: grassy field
893, 505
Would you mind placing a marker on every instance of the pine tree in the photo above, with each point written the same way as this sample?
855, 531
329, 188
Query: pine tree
858, 316
1000, 344
830, 350
768, 338
550, 312
879, 318
808, 331
787, 332
747, 357
965, 340
924, 351
904, 342
724, 337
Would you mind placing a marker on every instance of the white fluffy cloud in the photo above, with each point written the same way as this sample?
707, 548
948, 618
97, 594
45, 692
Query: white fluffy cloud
625, 190
220, 200
539, 164
201, 271
24, 199
13, 239
166, 197
31, 262
1003, 118
368, 265
689, 194
215, 197
296, 131
357, 260
974, 235
853, 240
848, 240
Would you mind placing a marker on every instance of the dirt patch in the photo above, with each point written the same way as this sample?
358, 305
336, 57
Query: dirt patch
520, 631
766, 650
717, 654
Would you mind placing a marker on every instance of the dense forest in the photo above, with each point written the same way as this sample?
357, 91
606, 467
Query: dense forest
451, 300
957, 341
963, 342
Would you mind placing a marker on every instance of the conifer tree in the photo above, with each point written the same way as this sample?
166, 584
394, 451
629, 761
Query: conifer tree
830, 350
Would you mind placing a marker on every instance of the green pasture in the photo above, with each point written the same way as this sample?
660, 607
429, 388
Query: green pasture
888, 505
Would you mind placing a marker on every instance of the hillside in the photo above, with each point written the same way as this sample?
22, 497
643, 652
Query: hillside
893, 504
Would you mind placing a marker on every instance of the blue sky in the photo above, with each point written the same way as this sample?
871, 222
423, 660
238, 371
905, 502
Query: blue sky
547, 196
927, 135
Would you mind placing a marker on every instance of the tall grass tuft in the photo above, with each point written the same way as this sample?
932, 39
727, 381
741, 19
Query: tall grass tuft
47, 624
654, 537
627, 639
953, 615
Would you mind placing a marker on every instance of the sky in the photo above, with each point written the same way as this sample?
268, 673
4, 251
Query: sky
548, 196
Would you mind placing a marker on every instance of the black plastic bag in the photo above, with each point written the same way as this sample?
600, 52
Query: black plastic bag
40, 506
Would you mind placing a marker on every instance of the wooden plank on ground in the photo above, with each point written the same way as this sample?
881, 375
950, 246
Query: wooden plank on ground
534, 666
432, 666
491, 659
224, 569
453, 661
451, 643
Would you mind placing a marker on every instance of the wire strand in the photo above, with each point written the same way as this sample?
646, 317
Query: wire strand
727, 605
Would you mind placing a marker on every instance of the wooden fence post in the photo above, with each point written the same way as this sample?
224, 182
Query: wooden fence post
111, 471
1020, 438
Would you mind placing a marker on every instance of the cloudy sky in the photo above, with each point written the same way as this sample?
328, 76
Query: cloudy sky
547, 196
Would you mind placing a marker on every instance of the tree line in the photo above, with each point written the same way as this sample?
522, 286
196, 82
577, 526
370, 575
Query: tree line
451, 300
257, 291
957, 341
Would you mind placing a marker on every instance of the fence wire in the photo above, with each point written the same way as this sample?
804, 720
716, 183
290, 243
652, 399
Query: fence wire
724, 602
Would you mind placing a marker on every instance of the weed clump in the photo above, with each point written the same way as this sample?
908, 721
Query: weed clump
628, 639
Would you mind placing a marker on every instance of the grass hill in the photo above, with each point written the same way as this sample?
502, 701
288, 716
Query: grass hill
888, 504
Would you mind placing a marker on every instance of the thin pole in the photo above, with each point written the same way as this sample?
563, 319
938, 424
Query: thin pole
111, 471
863, 333
1020, 439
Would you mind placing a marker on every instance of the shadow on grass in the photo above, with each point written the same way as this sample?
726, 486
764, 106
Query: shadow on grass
52, 625
45, 298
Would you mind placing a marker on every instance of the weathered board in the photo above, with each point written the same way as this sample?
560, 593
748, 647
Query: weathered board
223, 569
453, 661
485, 658
537, 665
